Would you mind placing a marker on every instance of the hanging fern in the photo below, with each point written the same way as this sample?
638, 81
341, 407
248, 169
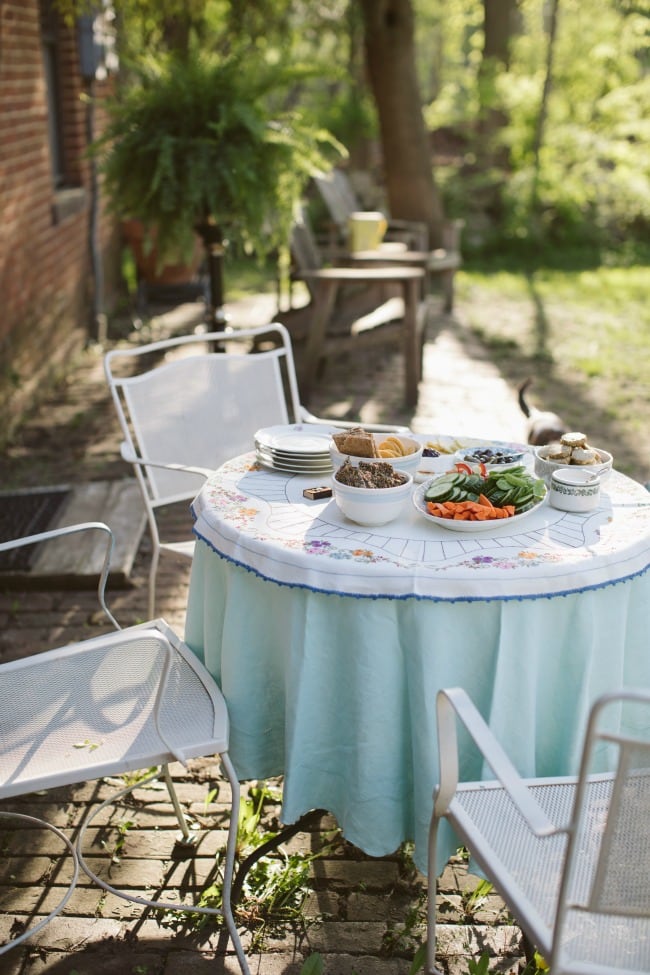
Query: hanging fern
197, 140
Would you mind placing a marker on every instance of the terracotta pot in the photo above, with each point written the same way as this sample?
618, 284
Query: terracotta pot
146, 259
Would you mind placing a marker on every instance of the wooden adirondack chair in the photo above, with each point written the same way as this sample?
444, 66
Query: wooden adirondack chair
339, 198
341, 201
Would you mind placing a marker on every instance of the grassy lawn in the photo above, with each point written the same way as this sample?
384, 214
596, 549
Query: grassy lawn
584, 338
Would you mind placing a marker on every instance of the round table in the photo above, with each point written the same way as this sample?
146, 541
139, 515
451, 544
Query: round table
330, 640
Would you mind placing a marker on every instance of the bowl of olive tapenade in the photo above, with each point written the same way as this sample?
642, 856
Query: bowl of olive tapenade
371, 493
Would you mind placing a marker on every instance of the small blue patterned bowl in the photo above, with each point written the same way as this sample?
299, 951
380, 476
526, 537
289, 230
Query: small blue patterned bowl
575, 489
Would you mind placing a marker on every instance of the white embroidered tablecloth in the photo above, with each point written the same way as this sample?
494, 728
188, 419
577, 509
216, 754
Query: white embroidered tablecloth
259, 519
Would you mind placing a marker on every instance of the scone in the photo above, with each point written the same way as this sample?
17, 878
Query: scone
558, 453
584, 456
573, 440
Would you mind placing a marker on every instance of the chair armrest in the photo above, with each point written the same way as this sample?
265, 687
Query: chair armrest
71, 530
308, 417
129, 455
417, 231
454, 704
389, 271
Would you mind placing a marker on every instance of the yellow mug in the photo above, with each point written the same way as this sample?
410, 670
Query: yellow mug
366, 230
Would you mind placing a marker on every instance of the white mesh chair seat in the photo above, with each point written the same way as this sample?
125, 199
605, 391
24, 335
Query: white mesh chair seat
116, 703
570, 856
103, 692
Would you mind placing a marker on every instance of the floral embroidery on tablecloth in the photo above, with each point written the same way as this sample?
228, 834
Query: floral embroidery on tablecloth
523, 558
316, 546
235, 506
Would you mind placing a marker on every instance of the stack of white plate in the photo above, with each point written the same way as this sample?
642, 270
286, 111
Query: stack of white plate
298, 448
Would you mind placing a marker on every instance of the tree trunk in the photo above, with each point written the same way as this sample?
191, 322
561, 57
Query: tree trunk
540, 122
390, 59
499, 17
498, 26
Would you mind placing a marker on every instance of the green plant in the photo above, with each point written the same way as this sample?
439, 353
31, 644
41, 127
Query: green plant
275, 886
210, 796
474, 900
419, 959
405, 936
140, 775
202, 143
249, 834
313, 965
122, 832
536, 966
480, 967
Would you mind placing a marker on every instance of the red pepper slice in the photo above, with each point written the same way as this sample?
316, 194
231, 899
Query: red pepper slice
463, 468
482, 468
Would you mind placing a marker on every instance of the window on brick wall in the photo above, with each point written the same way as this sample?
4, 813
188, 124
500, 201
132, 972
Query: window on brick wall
65, 120
53, 94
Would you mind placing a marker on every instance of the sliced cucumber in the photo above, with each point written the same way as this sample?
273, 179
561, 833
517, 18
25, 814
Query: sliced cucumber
438, 491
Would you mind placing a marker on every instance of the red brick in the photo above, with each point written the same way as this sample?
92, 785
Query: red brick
44, 266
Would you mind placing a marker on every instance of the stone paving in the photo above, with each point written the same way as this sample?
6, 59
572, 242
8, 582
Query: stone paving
361, 914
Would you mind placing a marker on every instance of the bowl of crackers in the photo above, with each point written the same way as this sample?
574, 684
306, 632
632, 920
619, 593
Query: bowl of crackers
573, 450
357, 444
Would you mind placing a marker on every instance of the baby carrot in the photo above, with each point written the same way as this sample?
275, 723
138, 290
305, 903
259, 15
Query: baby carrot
481, 510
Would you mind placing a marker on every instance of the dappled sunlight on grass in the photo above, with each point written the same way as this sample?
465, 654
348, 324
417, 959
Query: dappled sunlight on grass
584, 337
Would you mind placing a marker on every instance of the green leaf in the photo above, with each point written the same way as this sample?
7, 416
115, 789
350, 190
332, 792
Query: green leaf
419, 959
313, 965
480, 967
90, 745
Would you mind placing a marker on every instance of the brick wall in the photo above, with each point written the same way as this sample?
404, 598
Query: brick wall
46, 271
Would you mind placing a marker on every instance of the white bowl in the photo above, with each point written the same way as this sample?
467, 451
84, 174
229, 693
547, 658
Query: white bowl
434, 465
408, 462
477, 455
372, 506
544, 468
575, 489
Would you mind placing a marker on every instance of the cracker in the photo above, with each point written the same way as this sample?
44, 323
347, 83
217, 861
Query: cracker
357, 442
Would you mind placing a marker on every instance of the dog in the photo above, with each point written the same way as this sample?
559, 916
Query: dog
543, 426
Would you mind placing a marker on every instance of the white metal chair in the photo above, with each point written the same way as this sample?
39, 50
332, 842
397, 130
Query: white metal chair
187, 404
139, 697
570, 857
